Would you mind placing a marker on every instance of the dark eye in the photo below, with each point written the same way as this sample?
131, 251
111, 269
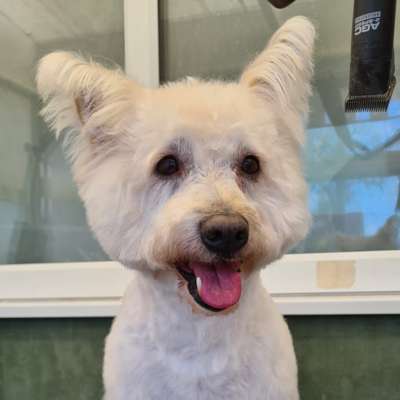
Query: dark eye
250, 165
168, 165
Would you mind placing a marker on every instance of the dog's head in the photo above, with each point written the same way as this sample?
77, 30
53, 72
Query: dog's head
200, 178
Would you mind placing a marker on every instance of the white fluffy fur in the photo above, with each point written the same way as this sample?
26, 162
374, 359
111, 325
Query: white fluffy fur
160, 346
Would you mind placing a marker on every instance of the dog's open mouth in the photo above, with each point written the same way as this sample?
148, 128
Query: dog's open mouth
214, 286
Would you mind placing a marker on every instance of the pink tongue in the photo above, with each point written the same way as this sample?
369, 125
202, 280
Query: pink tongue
221, 285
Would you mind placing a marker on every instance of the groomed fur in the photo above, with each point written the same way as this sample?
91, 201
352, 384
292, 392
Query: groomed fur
116, 131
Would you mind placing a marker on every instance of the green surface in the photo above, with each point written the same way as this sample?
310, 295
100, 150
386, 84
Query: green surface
348, 358
340, 358
51, 359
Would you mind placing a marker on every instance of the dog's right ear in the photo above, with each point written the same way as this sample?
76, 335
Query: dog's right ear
84, 96
282, 72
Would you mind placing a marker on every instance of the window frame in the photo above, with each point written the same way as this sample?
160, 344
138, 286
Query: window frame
94, 289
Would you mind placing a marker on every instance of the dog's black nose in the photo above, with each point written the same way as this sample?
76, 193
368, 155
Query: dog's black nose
224, 234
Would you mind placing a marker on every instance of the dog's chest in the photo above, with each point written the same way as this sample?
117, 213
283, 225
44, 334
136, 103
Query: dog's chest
157, 375
177, 356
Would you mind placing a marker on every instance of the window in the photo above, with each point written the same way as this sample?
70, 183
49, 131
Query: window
41, 218
352, 161
348, 263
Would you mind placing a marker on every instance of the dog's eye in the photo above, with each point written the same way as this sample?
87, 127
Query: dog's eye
250, 165
167, 166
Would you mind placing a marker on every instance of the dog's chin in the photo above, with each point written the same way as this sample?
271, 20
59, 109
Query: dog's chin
212, 288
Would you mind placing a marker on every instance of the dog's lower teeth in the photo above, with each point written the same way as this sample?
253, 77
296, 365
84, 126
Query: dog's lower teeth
198, 283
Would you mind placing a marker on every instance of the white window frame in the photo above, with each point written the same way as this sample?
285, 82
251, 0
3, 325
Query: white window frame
366, 282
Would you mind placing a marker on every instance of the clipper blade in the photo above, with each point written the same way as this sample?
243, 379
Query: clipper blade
373, 103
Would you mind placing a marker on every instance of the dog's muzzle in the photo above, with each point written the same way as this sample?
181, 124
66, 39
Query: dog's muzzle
217, 285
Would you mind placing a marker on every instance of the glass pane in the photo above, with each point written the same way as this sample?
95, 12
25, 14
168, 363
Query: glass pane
352, 160
41, 217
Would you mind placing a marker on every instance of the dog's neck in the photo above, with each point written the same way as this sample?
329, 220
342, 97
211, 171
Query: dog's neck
171, 321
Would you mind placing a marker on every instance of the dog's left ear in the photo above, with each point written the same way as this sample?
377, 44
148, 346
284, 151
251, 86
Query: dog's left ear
85, 98
282, 72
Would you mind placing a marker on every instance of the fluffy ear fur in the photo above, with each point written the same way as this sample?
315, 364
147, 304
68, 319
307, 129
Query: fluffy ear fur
84, 96
282, 71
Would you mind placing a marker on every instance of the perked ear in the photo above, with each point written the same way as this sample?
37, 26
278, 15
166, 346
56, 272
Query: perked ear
84, 96
282, 71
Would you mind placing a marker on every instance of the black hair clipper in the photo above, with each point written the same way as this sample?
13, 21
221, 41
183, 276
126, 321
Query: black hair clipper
281, 3
372, 78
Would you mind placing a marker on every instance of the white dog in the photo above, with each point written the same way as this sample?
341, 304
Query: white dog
195, 185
